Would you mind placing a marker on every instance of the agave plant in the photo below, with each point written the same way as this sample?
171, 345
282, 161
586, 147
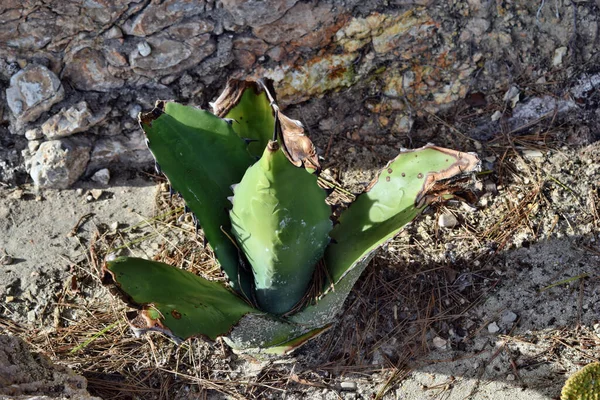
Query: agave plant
249, 175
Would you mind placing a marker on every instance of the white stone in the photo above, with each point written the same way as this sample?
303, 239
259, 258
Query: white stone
447, 220
134, 111
67, 122
558, 56
33, 91
96, 193
102, 176
496, 115
144, 49
59, 163
439, 343
350, 386
33, 134
508, 317
532, 153
33, 145
493, 328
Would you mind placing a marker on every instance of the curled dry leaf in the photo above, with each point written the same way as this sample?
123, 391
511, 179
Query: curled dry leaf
297, 147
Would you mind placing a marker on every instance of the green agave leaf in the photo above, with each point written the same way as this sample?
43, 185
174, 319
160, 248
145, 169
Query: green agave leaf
252, 105
247, 104
376, 217
202, 156
262, 333
174, 301
281, 221
394, 198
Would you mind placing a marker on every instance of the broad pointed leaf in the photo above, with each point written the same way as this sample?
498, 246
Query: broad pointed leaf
395, 198
247, 104
174, 301
281, 221
202, 157
254, 108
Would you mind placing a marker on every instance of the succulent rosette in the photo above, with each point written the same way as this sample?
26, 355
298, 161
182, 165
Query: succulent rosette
248, 174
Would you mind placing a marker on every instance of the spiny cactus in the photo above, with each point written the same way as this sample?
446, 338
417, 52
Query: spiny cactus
267, 222
583, 384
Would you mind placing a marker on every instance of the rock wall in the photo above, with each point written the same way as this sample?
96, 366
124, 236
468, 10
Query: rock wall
75, 74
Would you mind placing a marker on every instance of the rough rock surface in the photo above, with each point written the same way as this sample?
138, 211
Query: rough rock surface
67, 122
24, 374
368, 66
59, 163
32, 91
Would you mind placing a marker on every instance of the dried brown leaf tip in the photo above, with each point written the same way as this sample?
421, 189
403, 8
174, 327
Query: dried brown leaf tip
149, 117
232, 95
298, 148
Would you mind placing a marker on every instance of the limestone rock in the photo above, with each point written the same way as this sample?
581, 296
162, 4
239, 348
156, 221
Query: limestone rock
188, 30
59, 163
77, 118
33, 91
31, 33
302, 19
24, 374
169, 56
87, 70
158, 16
102, 176
256, 12
34, 134
127, 151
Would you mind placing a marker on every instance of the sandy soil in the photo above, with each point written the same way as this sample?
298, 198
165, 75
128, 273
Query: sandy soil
504, 305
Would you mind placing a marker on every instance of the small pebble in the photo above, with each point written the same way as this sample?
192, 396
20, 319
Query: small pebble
10, 299
468, 207
96, 193
493, 328
79, 192
17, 194
114, 226
31, 316
33, 145
496, 116
447, 220
6, 259
33, 134
144, 49
439, 342
350, 386
102, 176
508, 317
510, 377
134, 111
532, 153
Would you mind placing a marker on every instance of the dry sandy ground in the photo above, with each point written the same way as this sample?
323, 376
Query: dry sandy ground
504, 305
